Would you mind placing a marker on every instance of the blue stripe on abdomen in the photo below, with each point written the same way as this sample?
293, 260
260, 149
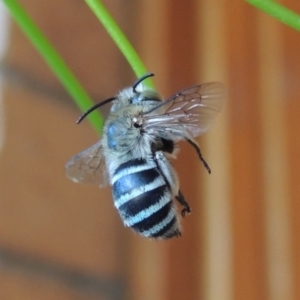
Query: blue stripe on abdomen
133, 181
141, 202
168, 231
154, 219
131, 163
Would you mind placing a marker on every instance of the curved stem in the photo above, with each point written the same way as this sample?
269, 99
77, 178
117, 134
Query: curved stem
278, 11
119, 38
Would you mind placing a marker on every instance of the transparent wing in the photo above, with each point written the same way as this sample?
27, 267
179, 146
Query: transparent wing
192, 110
88, 166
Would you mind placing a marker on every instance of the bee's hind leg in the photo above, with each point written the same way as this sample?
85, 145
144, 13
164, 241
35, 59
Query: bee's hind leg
186, 208
196, 147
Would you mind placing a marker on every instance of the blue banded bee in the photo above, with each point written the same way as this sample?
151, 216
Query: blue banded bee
140, 135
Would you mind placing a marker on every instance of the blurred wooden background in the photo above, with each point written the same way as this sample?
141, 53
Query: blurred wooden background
60, 240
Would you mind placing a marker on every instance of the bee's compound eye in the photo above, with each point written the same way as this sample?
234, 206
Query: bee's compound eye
112, 130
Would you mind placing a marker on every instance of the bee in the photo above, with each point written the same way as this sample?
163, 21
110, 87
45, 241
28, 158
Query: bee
140, 135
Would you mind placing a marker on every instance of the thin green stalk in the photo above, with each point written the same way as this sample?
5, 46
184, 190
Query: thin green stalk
54, 61
119, 38
278, 11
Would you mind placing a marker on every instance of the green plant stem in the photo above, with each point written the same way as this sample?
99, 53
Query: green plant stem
54, 61
119, 38
278, 11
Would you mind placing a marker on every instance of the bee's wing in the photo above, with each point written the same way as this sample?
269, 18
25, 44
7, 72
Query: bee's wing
88, 166
192, 110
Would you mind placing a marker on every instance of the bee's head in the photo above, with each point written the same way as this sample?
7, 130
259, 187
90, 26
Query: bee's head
138, 94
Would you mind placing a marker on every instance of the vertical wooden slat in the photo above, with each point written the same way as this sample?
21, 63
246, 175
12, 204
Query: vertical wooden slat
291, 76
212, 66
181, 44
274, 151
183, 276
246, 198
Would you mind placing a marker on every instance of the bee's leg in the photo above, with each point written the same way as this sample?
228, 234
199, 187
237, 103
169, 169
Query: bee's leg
164, 168
171, 179
196, 147
182, 201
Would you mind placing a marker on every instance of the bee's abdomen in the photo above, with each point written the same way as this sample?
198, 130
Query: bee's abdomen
144, 200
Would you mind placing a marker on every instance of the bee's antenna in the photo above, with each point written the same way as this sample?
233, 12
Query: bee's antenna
140, 80
94, 107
